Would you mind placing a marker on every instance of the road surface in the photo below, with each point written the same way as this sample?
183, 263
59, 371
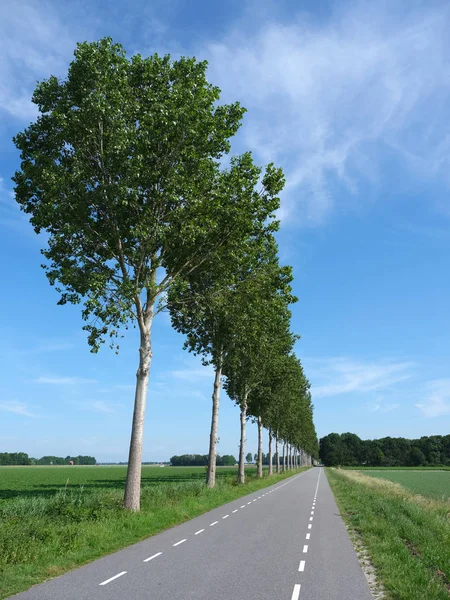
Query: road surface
284, 542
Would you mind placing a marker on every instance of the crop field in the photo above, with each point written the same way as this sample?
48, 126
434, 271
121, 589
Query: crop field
53, 519
45, 481
433, 484
401, 519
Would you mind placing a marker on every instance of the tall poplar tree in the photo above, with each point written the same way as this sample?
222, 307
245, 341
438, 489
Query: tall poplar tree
121, 169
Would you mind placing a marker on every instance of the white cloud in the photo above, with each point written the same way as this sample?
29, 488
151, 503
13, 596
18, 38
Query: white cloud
384, 408
436, 402
63, 380
102, 407
323, 98
334, 376
34, 43
192, 374
15, 407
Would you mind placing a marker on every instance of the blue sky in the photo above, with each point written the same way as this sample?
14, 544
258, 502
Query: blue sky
352, 99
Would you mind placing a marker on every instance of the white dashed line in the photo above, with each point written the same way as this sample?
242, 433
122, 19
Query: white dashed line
312, 512
152, 557
178, 543
112, 578
235, 511
310, 526
225, 517
311, 518
249, 502
308, 536
305, 549
199, 531
302, 565
243, 506
212, 524
296, 592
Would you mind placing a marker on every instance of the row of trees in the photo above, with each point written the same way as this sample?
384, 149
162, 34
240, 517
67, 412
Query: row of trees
348, 449
201, 460
21, 458
124, 171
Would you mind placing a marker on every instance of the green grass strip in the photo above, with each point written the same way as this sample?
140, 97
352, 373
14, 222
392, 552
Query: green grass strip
44, 536
406, 536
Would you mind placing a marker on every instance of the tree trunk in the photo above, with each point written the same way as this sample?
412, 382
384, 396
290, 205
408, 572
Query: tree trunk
132, 498
277, 453
241, 471
270, 452
289, 457
211, 473
284, 456
260, 469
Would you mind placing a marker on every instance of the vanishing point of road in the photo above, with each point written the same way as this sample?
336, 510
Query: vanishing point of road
284, 542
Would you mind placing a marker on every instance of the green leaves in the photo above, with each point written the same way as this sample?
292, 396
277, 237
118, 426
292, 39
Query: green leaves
121, 170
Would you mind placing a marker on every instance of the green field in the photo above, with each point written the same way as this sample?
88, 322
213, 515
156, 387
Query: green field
53, 519
434, 484
37, 480
406, 535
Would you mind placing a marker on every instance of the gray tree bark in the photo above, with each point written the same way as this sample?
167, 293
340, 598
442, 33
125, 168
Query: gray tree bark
132, 497
277, 452
270, 452
284, 456
260, 466
241, 470
211, 473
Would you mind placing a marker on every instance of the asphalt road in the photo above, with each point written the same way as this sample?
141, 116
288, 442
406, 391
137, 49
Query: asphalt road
285, 542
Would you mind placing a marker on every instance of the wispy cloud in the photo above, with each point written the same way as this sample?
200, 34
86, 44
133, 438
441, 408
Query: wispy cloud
326, 98
15, 407
436, 399
34, 43
192, 374
335, 376
102, 407
384, 408
63, 380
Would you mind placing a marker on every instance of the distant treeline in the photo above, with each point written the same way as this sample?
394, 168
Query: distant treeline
21, 458
201, 460
347, 449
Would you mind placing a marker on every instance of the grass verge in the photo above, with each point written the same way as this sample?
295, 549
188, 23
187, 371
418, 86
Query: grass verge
407, 536
44, 536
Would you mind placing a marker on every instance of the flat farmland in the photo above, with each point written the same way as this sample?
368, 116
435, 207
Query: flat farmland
55, 518
43, 480
433, 484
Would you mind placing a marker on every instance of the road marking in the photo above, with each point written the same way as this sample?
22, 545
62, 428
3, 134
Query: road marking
310, 526
259, 497
225, 517
312, 512
254, 500
243, 506
199, 531
305, 549
302, 565
311, 518
308, 536
235, 511
112, 578
152, 557
212, 524
178, 543
296, 592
